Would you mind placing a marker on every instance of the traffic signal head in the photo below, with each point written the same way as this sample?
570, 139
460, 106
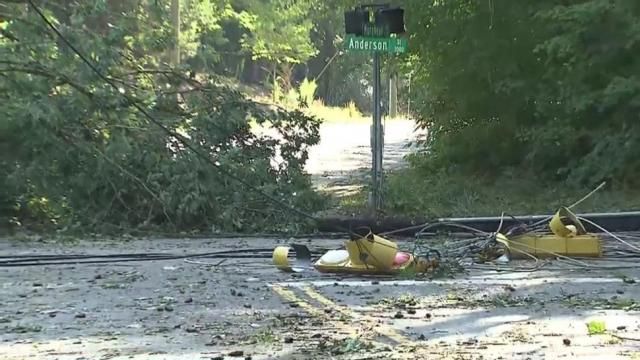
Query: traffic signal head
392, 19
386, 21
355, 21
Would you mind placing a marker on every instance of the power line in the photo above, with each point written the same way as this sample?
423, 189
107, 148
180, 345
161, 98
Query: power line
42, 260
169, 132
177, 136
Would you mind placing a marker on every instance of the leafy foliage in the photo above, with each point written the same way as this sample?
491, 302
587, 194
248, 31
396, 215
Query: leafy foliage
430, 192
596, 327
504, 88
76, 154
543, 86
279, 30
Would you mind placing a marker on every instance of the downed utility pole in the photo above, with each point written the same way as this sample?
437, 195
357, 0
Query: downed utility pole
615, 222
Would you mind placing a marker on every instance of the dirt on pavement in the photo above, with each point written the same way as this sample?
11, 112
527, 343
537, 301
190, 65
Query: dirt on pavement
247, 309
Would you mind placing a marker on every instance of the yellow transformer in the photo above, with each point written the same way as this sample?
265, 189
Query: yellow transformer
566, 239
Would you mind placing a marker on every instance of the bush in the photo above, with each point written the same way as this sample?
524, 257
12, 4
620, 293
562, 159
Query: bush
76, 154
551, 89
430, 193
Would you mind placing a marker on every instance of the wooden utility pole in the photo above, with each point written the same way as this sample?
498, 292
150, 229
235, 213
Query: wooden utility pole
175, 22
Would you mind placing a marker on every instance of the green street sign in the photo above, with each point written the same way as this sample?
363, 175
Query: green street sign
375, 44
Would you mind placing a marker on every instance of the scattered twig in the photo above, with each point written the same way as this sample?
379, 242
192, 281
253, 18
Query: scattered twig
625, 338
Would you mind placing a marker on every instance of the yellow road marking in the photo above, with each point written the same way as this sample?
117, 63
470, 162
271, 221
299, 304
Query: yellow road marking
291, 296
380, 328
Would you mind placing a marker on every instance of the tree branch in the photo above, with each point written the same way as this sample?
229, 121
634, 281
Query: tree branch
124, 171
625, 337
8, 35
51, 76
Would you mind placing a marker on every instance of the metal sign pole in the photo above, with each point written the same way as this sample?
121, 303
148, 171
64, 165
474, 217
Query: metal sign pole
377, 138
376, 35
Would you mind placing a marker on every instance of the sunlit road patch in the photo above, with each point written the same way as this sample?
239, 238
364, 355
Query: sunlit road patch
248, 309
529, 317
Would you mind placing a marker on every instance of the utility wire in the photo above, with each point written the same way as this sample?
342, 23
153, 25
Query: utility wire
169, 132
41, 260
609, 233
545, 220
26, 261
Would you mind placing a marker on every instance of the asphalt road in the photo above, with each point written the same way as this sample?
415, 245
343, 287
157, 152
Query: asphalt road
342, 160
246, 309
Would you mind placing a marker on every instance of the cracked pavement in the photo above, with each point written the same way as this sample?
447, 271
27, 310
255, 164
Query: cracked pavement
247, 309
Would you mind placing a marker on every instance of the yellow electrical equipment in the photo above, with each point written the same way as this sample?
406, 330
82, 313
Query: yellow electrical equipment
569, 238
372, 250
369, 254
302, 260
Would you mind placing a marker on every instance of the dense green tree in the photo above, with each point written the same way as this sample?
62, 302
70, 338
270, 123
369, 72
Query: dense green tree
534, 84
589, 107
341, 77
76, 153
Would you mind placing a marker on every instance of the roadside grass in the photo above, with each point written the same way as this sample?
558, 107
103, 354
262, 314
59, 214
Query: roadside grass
316, 108
348, 113
414, 193
352, 204
327, 114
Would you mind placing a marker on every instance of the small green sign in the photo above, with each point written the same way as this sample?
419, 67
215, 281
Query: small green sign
375, 44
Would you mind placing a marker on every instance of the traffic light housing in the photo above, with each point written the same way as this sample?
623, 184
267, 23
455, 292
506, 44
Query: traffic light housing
387, 20
355, 20
393, 19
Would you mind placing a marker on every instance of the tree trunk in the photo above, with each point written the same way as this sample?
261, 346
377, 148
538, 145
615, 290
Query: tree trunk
275, 82
175, 22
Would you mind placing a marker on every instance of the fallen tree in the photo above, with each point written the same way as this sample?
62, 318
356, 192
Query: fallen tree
77, 154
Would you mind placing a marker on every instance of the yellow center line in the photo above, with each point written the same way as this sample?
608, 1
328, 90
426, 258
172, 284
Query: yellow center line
314, 311
291, 296
375, 324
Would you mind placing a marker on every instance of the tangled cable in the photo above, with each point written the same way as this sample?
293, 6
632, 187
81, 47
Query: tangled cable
476, 242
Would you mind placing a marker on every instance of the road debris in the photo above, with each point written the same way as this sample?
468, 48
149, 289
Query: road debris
568, 238
563, 237
368, 254
449, 311
471, 304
